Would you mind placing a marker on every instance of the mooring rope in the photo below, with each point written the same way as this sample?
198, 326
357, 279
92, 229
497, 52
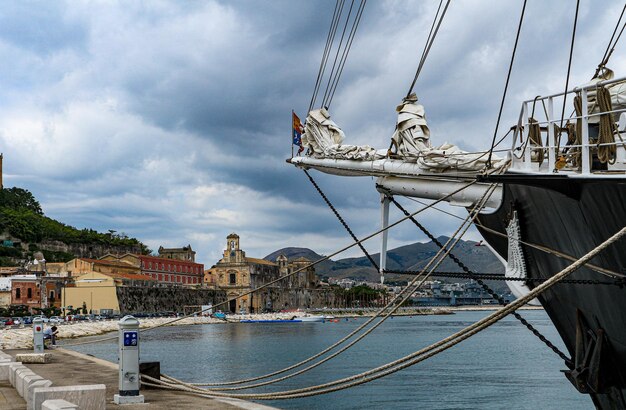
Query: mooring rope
606, 132
345, 248
419, 355
464, 226
409, 289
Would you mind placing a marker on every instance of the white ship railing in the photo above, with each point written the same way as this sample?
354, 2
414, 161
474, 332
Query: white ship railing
522, 148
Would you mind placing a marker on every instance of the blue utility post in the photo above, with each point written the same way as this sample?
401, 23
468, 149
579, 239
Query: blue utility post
128, 360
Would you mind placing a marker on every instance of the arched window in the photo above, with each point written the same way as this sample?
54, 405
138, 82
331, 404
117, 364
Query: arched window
232, 278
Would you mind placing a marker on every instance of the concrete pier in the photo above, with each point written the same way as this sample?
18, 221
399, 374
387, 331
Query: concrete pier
69, 368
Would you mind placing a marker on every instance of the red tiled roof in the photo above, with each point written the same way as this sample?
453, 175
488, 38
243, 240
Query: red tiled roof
107, 262
131, 276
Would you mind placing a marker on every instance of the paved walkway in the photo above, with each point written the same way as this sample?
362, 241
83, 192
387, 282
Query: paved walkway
68, 368
9, 399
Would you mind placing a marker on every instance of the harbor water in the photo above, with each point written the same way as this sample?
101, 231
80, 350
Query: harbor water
504, 367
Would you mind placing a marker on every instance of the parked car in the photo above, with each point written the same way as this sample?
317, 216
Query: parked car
42, 317
7, 321
27, 320
17, 320
56, 319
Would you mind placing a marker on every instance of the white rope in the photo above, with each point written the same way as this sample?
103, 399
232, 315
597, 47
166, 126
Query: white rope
345, 248
426, 352
408, 290
446, 249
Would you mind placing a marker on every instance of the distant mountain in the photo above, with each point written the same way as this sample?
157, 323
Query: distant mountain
293, 253
410, 257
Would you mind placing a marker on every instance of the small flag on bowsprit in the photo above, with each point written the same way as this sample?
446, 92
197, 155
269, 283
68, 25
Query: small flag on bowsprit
297, 130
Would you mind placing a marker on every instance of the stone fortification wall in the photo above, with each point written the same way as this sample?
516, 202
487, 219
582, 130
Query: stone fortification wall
301, 298
139, 299
86, 250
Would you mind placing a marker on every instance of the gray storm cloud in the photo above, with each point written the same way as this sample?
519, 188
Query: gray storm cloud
171, 121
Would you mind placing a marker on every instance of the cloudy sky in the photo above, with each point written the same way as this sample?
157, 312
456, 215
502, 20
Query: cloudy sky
170, 121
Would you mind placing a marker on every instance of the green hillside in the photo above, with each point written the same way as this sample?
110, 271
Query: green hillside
21, 217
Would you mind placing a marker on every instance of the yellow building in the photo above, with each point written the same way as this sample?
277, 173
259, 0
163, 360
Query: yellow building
97, 291
238, 274
78, 266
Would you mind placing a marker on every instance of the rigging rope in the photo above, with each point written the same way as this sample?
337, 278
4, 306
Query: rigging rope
607, 130
506, 85
409, 289
541, 248
329, 41
487, 289
429, 43
332, 70
341, 220
609, 49
419, 355
467, 223
569, 67
345, 248
501, 277
347, 51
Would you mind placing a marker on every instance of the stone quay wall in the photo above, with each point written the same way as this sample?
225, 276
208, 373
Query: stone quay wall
140, 299
300, 298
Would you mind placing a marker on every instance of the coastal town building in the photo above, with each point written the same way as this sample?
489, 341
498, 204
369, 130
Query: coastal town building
5, 292
184, 254
171, 271
238, 274
97, 292
25, 291
79, 266
7, 271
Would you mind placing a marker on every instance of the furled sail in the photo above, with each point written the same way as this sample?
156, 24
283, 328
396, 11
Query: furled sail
324, 138
411, 141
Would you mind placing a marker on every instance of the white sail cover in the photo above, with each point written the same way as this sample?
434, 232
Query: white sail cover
324, 138
411, 139
412, 142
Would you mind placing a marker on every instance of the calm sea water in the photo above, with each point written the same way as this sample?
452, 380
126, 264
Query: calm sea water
504, 367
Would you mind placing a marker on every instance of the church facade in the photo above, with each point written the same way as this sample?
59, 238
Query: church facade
238, 274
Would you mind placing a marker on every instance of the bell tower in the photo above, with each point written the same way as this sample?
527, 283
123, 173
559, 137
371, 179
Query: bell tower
233, 253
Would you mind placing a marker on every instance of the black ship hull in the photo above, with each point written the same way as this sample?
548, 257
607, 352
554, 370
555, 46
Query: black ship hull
573, 216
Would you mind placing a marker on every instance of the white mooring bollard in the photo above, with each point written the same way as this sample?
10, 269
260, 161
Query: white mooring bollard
38, 335
128, 360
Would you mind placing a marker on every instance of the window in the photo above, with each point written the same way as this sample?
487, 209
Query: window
51, 295
150, 265
184, 279
160, 277
232, 278
177, 278
29, 293
18, 293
